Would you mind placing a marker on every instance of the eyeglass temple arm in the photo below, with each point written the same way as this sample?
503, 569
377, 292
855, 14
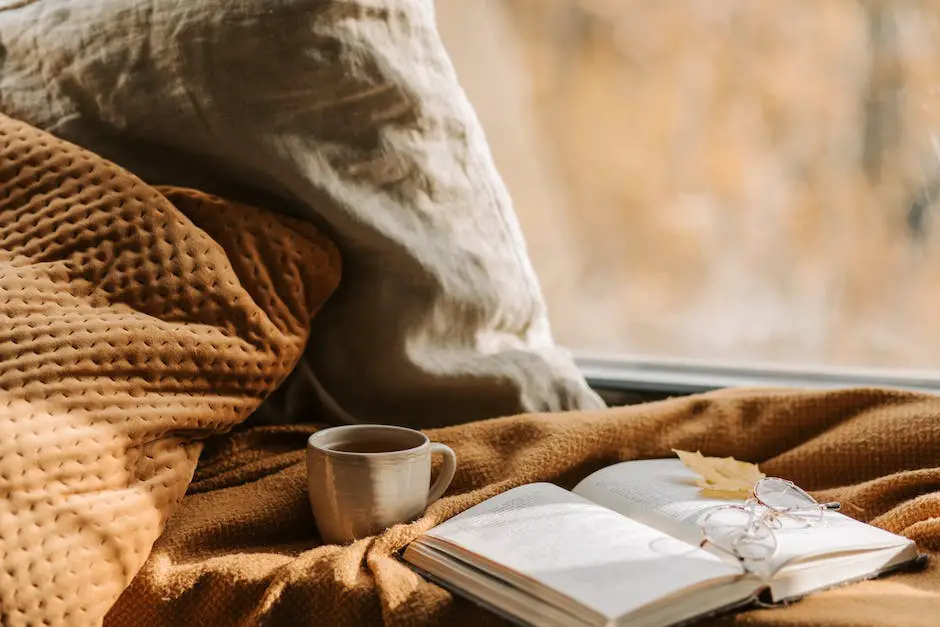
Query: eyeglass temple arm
831, 505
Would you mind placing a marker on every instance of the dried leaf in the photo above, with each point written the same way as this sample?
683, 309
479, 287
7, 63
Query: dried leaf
728, 489
722, 477
725, 495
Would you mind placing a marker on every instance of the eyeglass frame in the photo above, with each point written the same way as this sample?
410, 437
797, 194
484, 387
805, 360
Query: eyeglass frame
770, 513
790, 511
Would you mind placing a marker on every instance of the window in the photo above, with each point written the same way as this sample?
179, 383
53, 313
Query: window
720, 179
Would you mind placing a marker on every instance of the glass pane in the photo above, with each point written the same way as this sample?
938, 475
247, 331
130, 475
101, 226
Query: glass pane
720, 178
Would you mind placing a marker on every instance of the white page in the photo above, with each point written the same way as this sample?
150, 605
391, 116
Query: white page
605, 562
662, 493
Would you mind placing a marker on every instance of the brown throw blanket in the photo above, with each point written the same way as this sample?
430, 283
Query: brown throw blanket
243, 548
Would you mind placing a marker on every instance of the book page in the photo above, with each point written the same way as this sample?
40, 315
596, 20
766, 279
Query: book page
554, 540
658, 492
662, 493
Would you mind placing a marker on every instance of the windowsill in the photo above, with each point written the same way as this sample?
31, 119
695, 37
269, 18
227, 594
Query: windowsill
668, 376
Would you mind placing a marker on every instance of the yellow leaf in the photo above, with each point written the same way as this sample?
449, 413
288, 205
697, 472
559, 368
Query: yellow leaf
726, 495
722, 477
727, 489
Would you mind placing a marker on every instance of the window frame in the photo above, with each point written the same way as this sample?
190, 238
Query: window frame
672, 376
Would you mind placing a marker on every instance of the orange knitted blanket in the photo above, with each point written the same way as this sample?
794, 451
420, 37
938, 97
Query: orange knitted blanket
243, 548
134, 322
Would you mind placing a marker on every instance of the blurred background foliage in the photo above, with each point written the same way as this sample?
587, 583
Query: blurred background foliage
720, 178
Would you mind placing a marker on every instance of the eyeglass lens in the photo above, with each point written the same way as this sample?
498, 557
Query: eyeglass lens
783, 495
738, 531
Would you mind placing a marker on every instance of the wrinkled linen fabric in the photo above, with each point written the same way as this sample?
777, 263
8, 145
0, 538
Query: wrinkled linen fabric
244, 550
134, 323
352, 111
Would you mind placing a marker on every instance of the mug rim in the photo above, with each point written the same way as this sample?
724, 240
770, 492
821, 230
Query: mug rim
313, 446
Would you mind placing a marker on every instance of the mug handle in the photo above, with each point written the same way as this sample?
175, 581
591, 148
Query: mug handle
447, 471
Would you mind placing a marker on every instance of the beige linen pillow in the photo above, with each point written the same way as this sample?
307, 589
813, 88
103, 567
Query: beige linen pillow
127, 334
352, 111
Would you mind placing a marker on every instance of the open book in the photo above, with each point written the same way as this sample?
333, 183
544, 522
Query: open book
623, 548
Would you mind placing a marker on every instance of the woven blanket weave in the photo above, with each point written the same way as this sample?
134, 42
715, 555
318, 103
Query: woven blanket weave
243, 549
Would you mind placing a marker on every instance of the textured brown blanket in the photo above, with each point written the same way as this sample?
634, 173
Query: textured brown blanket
243, 548
134, 321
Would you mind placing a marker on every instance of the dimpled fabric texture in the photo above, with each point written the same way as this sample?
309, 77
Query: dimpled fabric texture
127, 334
352, 110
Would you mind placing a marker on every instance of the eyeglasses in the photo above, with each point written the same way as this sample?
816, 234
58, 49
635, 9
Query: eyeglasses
747, 531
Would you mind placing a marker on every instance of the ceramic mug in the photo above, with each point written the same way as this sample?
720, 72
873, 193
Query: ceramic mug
362, 479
